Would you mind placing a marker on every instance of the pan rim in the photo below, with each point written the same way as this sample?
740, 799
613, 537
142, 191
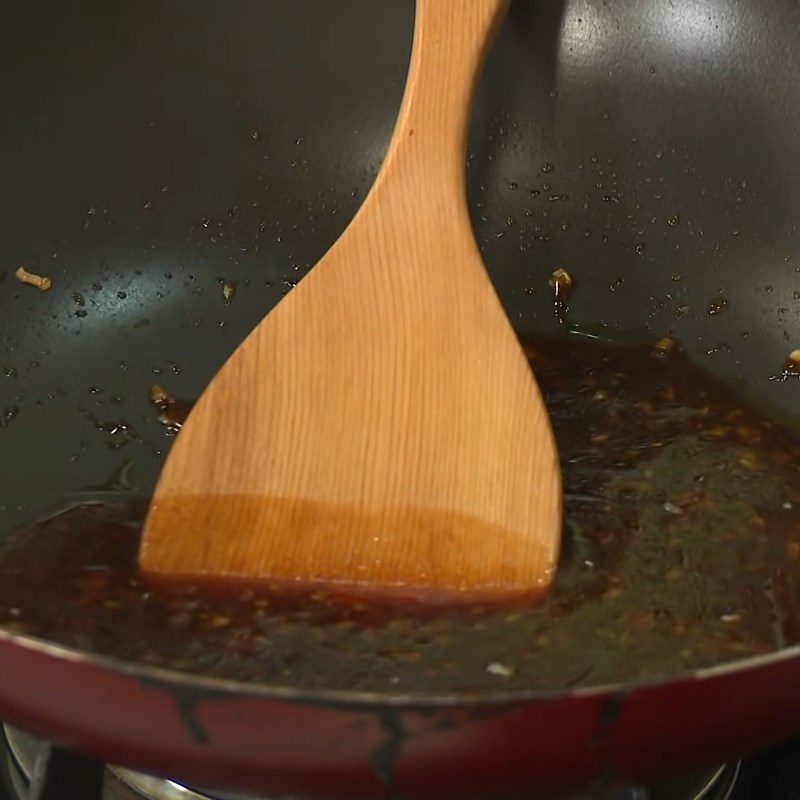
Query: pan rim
351, 698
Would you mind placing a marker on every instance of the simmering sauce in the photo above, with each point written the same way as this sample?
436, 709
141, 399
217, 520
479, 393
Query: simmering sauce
681, 549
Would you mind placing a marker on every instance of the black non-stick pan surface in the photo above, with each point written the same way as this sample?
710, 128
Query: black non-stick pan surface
152, 151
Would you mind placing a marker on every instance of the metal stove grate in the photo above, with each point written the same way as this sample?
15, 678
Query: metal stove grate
36, 771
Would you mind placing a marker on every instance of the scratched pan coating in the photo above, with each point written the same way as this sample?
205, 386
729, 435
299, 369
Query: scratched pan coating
158, 151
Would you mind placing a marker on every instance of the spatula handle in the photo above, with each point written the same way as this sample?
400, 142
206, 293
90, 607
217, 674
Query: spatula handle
451, 38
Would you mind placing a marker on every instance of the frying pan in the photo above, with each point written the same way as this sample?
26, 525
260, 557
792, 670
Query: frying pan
151, 149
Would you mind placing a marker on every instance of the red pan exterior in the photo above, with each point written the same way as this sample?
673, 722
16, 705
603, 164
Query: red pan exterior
577, 91
218, 734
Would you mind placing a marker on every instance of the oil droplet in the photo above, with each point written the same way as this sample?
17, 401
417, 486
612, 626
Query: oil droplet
673, 220
791, 367
561, 284
617, 283
716, 305
9, 415
666, 347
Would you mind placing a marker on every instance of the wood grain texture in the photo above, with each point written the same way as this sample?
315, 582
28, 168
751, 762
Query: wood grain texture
381, 428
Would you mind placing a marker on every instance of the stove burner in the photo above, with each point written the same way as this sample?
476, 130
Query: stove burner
147, 787
27, 758
26, 752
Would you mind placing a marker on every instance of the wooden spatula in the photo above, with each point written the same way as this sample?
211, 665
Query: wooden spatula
380, 430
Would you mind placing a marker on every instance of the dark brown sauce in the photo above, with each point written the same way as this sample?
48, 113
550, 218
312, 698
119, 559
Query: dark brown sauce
681, 550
